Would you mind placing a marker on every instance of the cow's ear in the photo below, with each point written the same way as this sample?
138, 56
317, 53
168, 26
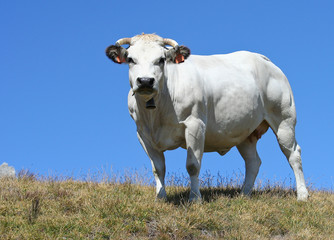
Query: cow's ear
116, 53
178, 54
182, 54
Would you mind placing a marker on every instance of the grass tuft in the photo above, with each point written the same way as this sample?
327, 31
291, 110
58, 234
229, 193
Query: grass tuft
33, 214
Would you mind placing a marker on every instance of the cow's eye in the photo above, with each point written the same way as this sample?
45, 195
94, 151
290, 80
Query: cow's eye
162, 61
130, 60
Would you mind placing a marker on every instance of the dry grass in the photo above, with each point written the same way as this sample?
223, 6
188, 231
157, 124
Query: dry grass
69, 209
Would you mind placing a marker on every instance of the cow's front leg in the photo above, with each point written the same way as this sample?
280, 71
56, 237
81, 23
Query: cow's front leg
195, 137
158, 166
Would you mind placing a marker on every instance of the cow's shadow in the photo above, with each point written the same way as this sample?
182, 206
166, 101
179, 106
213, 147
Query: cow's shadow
212, 194
181, 197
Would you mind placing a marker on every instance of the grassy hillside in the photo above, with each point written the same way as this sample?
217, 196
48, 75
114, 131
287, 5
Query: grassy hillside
68, 209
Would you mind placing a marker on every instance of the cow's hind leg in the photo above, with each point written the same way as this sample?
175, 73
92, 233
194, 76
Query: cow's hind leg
286, 138
285, 133
247, 150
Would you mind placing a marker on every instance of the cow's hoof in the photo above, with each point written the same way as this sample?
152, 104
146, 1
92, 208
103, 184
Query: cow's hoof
162, 194
195, 197
246, 191
245, 196
302, 196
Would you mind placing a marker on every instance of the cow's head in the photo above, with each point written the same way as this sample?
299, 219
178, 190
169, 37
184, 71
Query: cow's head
147, 56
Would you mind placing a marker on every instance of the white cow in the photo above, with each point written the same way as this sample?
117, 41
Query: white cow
206, 104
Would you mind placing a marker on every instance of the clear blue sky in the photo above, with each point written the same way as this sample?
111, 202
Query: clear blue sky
63, 104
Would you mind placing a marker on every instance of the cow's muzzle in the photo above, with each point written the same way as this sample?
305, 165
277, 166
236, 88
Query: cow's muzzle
145, 88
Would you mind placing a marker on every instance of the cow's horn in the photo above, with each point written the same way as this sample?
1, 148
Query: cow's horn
170, 42
123, 41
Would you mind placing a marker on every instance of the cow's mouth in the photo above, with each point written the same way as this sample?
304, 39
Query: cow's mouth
145, 91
